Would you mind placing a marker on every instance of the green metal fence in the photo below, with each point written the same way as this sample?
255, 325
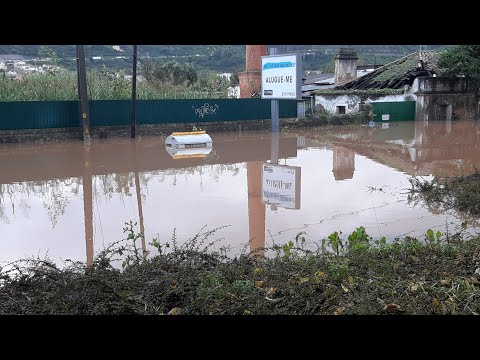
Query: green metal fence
58, 114
394, 111
18, 115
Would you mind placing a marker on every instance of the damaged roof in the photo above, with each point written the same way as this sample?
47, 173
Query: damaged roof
396, 74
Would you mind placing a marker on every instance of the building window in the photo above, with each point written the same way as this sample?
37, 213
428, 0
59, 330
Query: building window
341, 109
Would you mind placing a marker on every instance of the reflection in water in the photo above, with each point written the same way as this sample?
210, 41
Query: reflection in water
281, 185
41, 205
256, 208
139, 200
343, 163
87, 202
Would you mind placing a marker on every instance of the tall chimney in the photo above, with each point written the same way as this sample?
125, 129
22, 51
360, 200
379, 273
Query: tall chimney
345, 66
251, 78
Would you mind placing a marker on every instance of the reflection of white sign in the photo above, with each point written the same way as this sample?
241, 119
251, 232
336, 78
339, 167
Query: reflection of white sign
282, 77
385, 116
281, 185
385, 125
192, 152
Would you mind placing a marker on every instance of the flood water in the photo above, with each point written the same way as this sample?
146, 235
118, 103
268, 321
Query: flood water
68, 201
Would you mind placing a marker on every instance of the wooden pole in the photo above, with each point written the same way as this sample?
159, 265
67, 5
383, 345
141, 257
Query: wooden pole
82, 92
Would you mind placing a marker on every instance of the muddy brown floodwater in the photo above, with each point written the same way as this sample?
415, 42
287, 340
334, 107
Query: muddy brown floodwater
68, 201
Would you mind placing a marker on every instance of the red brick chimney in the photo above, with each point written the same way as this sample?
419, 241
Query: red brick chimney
251, 78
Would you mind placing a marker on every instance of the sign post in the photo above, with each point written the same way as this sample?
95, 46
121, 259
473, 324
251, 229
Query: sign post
281, 80
274, 106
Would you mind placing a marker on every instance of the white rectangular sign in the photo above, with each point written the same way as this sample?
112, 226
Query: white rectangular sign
281, 185
282, 77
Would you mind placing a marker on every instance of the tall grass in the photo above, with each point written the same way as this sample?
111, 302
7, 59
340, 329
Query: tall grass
103, 86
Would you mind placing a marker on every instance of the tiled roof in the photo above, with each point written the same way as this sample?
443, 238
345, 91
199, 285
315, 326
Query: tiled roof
396, 74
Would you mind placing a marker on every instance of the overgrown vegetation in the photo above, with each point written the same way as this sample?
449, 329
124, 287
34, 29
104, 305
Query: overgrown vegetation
463, 60
439, 274
377, 92
168, 82
400, 68
460, 193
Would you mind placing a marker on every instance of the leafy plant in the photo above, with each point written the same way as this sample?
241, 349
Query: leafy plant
335, 242
338, 269
430, 236
358, 240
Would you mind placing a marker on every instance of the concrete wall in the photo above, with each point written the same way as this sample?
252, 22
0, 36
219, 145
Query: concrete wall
330, 102
450, 85
442, 98
101, 132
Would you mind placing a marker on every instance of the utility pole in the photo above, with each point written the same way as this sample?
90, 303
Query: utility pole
82, 92
134, 91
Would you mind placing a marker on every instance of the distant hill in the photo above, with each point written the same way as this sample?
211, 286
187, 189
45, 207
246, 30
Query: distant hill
218, 58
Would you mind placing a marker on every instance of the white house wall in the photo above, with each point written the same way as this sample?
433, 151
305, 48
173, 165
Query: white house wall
351, 102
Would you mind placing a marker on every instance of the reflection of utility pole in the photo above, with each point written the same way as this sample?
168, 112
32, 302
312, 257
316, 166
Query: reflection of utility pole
139, 200
82, 92
256, 209
140, 210
87, 202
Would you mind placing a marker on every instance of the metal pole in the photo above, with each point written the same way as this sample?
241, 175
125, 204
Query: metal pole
274, 105
134, 91
275, 116
82, 92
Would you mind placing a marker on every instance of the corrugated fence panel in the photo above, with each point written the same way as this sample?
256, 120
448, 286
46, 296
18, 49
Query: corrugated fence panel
207, 110
287, 109
397, 111
110, 112
15, 115
54, 114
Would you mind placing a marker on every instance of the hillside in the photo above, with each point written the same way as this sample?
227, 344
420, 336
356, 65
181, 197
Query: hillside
218, 58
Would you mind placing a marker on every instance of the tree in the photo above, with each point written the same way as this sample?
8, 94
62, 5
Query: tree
234, 80
175, 73
147, 67
47, 54
463, 60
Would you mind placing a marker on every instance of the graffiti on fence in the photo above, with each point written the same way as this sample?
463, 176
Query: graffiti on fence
205, 109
